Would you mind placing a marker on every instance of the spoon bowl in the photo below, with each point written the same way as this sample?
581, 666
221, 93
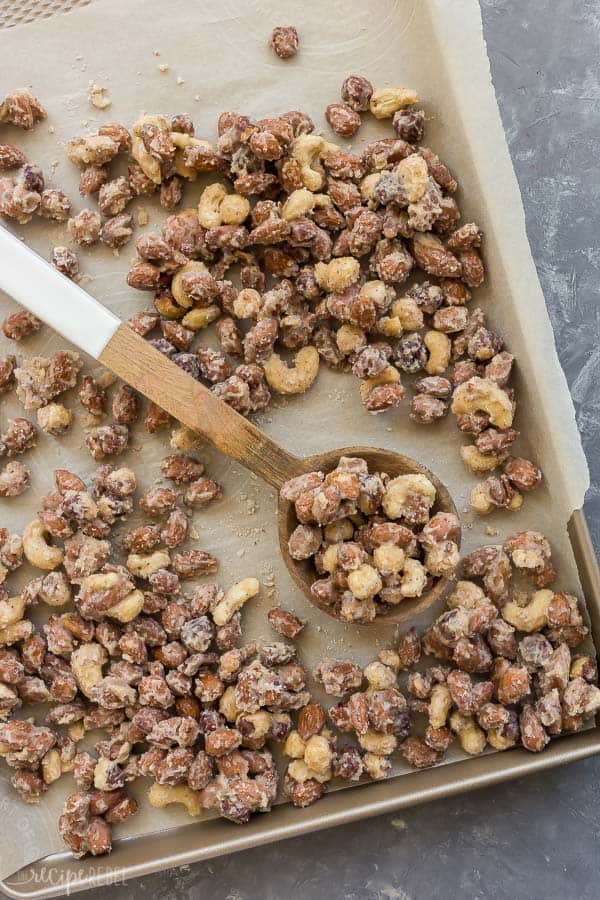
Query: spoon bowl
303, 571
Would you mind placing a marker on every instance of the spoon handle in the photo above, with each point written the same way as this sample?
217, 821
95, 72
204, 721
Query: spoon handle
63, 305
153, 374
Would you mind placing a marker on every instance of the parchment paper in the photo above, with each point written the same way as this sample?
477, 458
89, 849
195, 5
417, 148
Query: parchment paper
218, 59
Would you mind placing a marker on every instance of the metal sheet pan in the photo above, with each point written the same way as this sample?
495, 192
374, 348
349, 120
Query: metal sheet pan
132, 858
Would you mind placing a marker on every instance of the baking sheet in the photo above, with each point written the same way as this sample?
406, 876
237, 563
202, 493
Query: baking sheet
218, 58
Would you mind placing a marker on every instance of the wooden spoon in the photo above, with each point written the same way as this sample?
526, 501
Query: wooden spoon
94, 329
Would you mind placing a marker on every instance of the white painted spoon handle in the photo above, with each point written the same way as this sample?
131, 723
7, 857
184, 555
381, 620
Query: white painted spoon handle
53, 298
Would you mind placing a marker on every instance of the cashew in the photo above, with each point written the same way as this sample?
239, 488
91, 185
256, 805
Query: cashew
167, 307
466, 594
209, 205
51, 766
477, 461
330, 558
86, 664
380, 676
415, 176
338, 275
391, 326
234, 599
234, 209
8, 700
318, 755
350, 338
261, 722
12, 611
16, 632
306, 150
227, 705
389, 558
197, 319
399, 489
376, 766
299, 771
185, 439
182, 141
76, 731
128, 608
37, 550
247, 304
368, 185
294, 746
497, 740
414, 579
386, 101
408, 311
482, 395
441, 559
377, 291
149, 165
472, 738
532, 617
391, 659
389, 375
102, 772
339, 530
179, 295
440, 348
364, 582
54, 418
161, 795
301, 203
440, 704
375, 742
142, 565
294, 379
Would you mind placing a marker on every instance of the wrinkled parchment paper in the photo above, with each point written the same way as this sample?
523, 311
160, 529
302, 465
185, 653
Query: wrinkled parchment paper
217, 58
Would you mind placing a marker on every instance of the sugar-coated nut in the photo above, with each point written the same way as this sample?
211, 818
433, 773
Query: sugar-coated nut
414, 578
407, 310
234, 209
51, 766
375, 742
398, 491
184, 439
296, 379
364, 582
318, 754
466, 594
161, 795
299, 771
339, 530
127, 609
247, 304
37, 549
472, 738
477, 461
439, 346
350, 338
149, 163
234, 599
440, 704
389, 558
368, 185
209, 205
380, 676
12, 610
306, 149
329, 560
294, 746
303, 202
54, 418
337, 275
386, 101
415, 176
179, 295
86, 664
482, 395
533, 616
142, 565
376, 766
197, 319
389, 375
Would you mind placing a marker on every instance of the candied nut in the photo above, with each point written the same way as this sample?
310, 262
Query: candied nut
342, 119
37, 549
357, 92
418, 754
22, 109
478, 461
234, 599
338, 677
337, 275
385, 102
20, 325
161, 795
533, 616
522, 473
471, 737
482, 395
439, 346
66, 262
296, 379
284, 41
54, 418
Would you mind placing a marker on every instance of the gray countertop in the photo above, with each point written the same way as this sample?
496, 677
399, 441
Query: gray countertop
535, 838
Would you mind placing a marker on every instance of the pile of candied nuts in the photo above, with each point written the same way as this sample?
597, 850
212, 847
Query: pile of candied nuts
142, 678
320, 241
373, 538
